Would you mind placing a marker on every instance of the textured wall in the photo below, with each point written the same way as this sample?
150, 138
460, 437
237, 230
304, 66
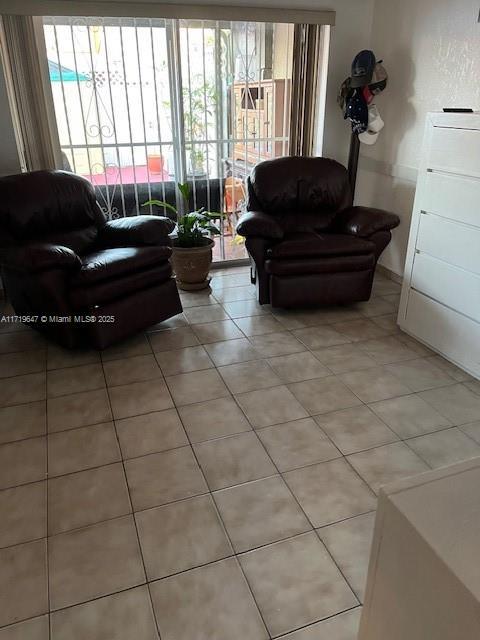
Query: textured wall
431, 50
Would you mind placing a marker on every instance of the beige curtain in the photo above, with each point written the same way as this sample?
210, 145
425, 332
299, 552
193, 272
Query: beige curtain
306, 62
31, 105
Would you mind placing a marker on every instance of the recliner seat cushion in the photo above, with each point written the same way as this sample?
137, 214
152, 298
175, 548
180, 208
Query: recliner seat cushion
335, 264
107, 290
301, 245
112, 263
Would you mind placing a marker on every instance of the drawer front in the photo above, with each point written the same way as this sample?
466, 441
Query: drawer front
454, 243
449, 285
453, 197
455, 151
445, 330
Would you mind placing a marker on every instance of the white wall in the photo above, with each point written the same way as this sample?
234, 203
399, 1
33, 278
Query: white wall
9, 162
431, 50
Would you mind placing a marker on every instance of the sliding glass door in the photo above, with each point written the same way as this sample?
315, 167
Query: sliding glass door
144, 104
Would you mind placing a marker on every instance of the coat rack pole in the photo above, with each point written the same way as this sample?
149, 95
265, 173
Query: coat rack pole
353, 161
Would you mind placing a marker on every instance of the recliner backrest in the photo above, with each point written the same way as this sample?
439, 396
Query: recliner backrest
295, 184
50, 206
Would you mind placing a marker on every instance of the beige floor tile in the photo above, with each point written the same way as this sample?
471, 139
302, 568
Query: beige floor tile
451, 369
386, 350
187, 388
181, 536
33, 629
121, 616
136, 346
473, 430
388, 322
355, 429
232, 351
23, 513
196, 298
150, 433
93, 562
21, 341
420, 374
170, 339
134, 369
230, 280
387, 464
296, 444
62, 382
344, 626
323, 395
23, 582
345, 357
295, 583
320, 337
164, 477
276, 344
415, 345
232, 460
183, 360
139, 397
82, 448
207, 313
258, 325
217, 331
23, 389
297, 367
23, 461
362, 329
445, 447
60, 358
409, 416
376, 307
343, 493
171, 323
473, 386
299, 318
87, 497
249, 376
231, 294
457, 403
271, 406
78, 410
374, 384
245, 308
208, 603
22, 362
349, 543
213, 419
260, 512
385, 287
23, 421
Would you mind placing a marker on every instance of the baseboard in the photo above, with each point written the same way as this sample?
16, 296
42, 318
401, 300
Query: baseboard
391, 275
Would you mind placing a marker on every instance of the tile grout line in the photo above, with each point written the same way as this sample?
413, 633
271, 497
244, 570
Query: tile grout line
132, 513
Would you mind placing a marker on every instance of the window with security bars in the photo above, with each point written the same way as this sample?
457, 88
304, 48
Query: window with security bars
143, 104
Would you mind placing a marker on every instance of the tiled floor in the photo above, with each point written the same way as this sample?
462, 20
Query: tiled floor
215, 478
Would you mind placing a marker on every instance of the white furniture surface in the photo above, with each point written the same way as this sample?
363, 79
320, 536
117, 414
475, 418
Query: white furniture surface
424, 573
440, 302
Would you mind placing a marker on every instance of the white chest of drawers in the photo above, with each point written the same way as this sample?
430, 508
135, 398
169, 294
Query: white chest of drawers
440, 302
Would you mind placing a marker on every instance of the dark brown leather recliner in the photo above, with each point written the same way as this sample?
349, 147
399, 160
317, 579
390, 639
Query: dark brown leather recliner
87, 279
308, 244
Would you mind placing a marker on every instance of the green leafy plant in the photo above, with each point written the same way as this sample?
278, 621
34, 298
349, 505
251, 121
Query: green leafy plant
194, 228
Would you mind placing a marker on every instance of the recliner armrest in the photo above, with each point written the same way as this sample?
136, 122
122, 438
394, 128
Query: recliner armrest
260, 224
39, 256
364, 221
135, 231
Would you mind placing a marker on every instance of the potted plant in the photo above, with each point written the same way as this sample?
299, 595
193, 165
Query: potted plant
192, 245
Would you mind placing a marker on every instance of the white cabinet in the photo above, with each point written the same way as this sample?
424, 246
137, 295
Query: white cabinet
440, 303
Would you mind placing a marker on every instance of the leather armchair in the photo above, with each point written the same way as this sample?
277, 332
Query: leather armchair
308, 244
87, 279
